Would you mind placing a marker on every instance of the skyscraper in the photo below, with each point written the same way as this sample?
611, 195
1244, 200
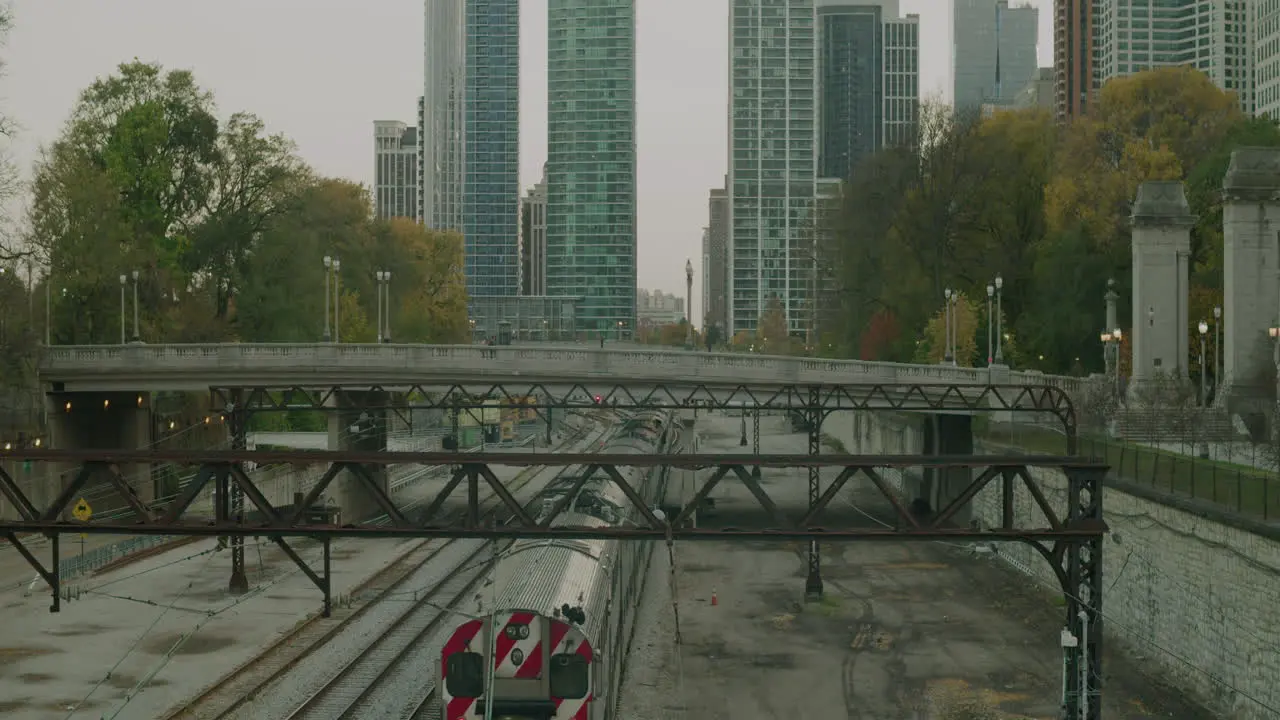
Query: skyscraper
591, 160
395, 169
1214, 36
491, 156
715, 261
1073, 71
868, 81
994, 51
533, 251
772, 157
441, 128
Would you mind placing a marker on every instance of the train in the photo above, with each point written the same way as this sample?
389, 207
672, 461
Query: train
563, 610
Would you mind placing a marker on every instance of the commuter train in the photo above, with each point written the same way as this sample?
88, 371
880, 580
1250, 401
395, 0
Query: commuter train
564, 610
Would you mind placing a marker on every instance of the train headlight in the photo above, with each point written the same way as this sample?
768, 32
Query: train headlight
524, 632
517, 656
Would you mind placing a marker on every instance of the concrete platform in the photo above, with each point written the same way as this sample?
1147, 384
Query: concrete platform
905, 629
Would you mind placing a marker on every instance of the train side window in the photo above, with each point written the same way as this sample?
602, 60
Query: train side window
464, 675
568, 676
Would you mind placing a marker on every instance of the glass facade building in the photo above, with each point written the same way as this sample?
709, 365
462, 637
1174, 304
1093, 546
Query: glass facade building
491, 156
440, 123
850, 86
772, 158
395, 169
591, 161
995, 51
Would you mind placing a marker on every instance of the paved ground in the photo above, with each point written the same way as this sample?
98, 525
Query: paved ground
906, 629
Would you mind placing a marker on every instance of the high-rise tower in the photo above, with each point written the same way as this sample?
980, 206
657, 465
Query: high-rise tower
491, 155
772, 158
591, 161
442, 132
395, 169
995, 51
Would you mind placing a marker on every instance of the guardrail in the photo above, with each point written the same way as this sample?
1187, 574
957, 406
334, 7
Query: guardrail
422, 363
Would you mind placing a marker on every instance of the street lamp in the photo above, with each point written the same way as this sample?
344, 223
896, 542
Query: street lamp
137, 337
1203, 327
384, 278
1117, 337
991, 291
337, 295
688, 303
946, 354
1217, 348
1106, 352
999, 319
123, 281
328, 269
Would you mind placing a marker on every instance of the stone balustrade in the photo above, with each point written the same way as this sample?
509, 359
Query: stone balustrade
196, 367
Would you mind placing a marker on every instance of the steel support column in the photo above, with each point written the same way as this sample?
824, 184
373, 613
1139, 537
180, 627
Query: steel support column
237, 420
813, 579
1083, 593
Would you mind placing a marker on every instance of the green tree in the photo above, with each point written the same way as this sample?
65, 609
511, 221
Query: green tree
256, 179
430, 284
354, 321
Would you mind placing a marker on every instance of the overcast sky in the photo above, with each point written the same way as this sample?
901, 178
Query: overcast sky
321, 71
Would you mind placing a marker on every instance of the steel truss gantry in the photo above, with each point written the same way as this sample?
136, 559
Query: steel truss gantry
814, 402
1070, 537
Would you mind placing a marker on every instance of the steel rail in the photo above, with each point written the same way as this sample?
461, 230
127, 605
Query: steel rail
314, 632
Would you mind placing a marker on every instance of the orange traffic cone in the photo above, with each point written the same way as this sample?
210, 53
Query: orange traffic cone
714, 600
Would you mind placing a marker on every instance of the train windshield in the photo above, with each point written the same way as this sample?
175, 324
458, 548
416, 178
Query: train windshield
568, 676
464, 675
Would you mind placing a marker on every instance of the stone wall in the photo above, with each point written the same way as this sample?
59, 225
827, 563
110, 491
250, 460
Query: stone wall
1195, 597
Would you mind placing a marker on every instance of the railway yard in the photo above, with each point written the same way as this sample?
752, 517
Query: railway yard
904, 630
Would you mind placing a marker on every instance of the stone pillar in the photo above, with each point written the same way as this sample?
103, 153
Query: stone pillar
946, 434
1251, 272
358, 422
1162, 223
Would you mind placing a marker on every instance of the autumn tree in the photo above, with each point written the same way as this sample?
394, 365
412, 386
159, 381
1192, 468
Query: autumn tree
932, 347
771, 331
432, 288
881, 333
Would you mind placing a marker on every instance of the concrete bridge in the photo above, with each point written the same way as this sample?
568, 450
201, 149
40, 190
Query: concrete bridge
141, 368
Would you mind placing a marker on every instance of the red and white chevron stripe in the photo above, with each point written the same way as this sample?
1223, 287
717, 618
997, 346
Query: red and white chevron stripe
530, 647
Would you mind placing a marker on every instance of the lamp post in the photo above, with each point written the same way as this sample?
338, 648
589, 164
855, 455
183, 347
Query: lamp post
1106, 353
328, 270
377, 276
688, 303
1217, 349
946, 353
1117, 337
123, 281
1203, 327
137, 337
999, 320
385, 297
48, 306
337, 295
991, 291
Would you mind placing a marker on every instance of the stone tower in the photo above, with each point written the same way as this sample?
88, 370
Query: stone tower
1251, 271
1162, 223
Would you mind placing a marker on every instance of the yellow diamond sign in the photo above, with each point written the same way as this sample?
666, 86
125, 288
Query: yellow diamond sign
82, 511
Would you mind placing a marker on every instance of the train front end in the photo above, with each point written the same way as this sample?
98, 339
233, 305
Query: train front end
541, 669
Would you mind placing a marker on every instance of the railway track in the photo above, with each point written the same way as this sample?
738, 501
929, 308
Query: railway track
358, 683
357, 690
415, 568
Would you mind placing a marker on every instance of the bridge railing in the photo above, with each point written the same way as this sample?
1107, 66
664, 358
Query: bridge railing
571, 362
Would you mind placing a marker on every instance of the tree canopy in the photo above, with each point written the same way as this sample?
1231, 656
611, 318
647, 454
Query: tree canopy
224, 225
1045, 206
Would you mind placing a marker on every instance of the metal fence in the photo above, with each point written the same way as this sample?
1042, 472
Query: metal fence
1208, 472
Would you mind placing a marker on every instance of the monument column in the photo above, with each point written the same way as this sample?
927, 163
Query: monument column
1251, 263
1161, 223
